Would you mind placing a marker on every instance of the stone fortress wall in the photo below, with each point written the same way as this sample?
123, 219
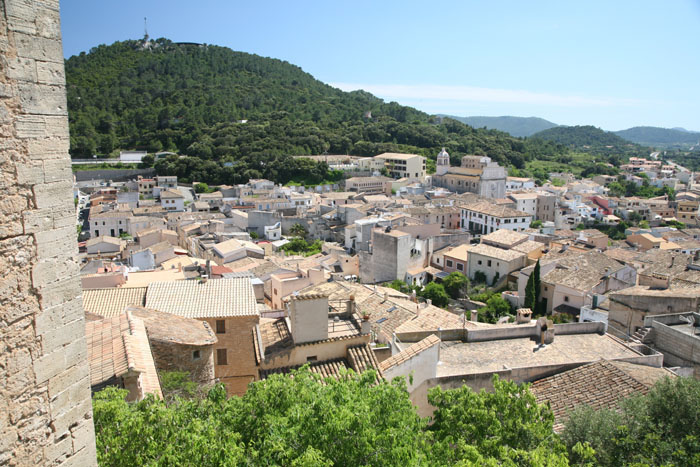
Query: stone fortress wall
45, 405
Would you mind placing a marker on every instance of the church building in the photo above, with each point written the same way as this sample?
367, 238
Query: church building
477, 174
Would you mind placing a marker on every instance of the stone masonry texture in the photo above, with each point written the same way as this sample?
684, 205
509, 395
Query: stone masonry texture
45, 405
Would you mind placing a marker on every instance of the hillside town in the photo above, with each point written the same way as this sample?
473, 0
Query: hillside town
212, 257
446, 278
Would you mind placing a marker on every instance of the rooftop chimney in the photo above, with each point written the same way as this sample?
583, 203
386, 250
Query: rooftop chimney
308, 316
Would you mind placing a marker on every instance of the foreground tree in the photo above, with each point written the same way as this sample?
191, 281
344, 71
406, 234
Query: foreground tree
281, 420
503, 427
660, 428
300, 420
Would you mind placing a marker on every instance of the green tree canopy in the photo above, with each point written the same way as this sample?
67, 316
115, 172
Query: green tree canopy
436, 293
298, 230
304, 420
496, 308
503, 427
660, 428
455, 284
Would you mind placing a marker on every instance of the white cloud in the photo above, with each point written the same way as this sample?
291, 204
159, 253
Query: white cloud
478, 94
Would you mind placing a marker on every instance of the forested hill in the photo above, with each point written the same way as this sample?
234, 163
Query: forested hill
662, 137
515, 126
589, 139
189, 98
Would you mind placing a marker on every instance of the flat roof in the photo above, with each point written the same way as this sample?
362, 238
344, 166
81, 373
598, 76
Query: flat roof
396, 155
457, 357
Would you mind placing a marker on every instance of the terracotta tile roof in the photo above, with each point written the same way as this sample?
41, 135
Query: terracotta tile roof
219, 270
170, 193
328, 368
490, 209
106, 350
166, 327
494, 252
505, 237
359, 358
528, 246
111, 302
103, 239
275, 336
431, 318
139, 357
116, 346
218, 298
582, 272
601, 384
386, 315
410, 352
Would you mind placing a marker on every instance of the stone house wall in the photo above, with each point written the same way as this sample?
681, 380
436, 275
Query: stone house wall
240, 368
45, 405
170, 356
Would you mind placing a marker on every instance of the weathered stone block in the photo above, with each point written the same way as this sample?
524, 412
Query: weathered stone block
62, 423
83, 435
57, 338
19, 382
59, 292
63, 381
73, 310
46, 272
52, 195
50, 73
8, 438
6, 90
83, 457
38, 48
48, 148
56, 243
37, 220
30, 126
49, 366
48, 25
21, 69
30, 173
21, 17
57, 452
47, 320
13, 204
42, 99
57, 169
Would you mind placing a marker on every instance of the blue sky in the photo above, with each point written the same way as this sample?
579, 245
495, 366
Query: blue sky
613, 64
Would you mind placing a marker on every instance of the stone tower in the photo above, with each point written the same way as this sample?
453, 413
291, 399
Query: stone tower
443, 163
45, 405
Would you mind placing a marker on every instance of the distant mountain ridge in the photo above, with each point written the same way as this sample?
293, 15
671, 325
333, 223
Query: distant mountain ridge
587, 138
529, 126
655, 136
516, 126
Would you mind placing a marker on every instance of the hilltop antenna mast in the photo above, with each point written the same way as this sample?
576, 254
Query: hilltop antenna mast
145, 29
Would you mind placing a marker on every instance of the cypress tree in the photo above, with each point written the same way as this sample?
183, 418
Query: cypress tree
538, 288
530, 293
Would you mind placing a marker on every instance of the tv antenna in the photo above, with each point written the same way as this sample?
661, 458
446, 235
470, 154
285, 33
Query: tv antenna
145, 28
